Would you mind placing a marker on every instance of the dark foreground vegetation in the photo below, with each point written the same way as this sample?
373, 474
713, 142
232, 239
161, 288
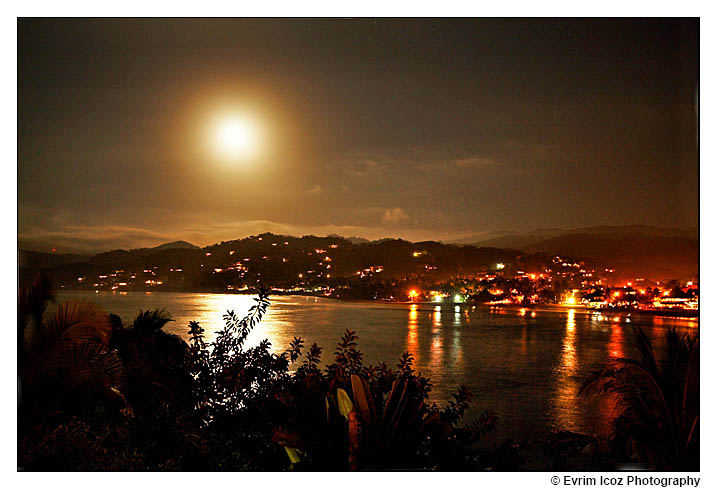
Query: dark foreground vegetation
96, 394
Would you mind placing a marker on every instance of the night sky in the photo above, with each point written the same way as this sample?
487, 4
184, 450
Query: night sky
420, 129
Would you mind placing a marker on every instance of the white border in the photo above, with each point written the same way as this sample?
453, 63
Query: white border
8, 191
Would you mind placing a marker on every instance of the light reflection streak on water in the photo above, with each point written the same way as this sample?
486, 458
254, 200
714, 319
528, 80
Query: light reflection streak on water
436, 319
412, 336
436, 361
616, 341
456, 352
565, 399
608, 406
523, 343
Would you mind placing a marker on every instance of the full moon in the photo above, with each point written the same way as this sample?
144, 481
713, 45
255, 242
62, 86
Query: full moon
234, 137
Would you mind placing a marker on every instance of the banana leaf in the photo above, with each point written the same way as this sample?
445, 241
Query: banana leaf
295, 455
363, 399
398, 410
391, 401
344, 402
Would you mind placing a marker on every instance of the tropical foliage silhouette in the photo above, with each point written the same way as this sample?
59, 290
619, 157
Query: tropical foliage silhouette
98, 394
378, 418
326, 419
64, 359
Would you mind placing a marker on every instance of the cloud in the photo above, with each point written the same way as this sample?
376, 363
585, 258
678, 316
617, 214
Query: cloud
361, 165
473, 162
394, 215
84, 239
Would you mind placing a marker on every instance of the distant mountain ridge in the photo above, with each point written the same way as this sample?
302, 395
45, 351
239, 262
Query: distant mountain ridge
279, 260
633, 250
523, 239
354, 239
34, 260
175, 245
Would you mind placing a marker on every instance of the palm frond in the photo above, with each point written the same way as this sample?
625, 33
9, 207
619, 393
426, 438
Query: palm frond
149, 321
656, 396
76, 319
85, 361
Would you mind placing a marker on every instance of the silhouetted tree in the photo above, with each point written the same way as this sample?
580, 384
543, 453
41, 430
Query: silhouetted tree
658, 400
